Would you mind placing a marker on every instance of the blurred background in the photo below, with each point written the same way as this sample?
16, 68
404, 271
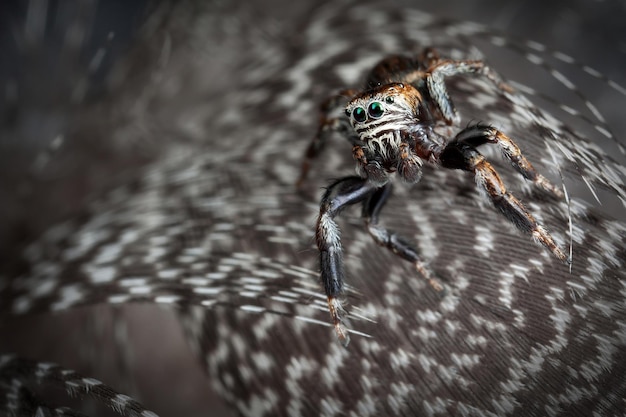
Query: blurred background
64, 67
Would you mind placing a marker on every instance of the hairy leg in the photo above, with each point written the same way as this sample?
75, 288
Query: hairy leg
481, 134
343, 192
459, 155
327, 125
435, 82
391, 240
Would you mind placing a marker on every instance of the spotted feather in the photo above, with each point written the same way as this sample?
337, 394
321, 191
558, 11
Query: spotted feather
208, 221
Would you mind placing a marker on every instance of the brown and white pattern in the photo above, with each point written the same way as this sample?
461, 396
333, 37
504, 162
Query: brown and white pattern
214, 226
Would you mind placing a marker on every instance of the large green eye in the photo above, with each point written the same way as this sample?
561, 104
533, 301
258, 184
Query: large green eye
359, 114
375, 109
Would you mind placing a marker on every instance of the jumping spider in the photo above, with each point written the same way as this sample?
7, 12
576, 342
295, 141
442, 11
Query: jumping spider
391, 126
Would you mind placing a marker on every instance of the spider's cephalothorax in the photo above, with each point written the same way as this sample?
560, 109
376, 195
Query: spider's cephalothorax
387, 120
391, 126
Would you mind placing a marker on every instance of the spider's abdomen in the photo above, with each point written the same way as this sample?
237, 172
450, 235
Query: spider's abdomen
395, 69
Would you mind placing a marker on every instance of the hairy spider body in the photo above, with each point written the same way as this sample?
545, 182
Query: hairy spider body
392, 128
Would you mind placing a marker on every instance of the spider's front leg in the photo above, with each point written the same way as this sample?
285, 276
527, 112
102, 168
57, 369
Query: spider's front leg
461, 155
481, 134
327, 124
341, 193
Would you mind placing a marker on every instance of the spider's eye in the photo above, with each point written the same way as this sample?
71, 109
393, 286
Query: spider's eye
389, 99
375, 109
359, 114
347, 112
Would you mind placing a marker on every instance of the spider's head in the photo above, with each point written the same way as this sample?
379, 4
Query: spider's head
391, 105
384, 118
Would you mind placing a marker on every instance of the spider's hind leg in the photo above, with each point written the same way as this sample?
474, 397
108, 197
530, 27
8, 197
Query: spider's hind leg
460, 155
444, 68
327, 125
389, 239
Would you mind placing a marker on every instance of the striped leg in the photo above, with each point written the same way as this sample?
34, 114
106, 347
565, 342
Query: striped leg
459, 155
481, 134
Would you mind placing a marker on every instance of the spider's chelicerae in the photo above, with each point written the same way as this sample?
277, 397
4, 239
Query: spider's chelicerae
391, 125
